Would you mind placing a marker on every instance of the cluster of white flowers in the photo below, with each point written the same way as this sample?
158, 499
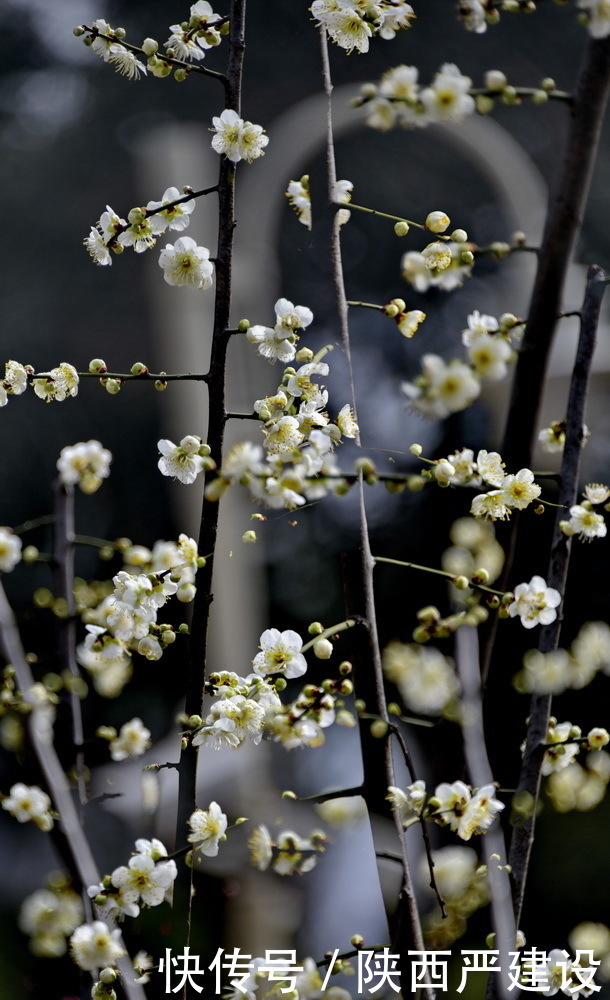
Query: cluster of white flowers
535, 603
238, 712
513, 492
580, 786
564, 742
57, 384
238, 139
191, 41
299, 437
552, 439
29, 802
208, 828
84, 464
463, 886
186, 460
443, 388
464, 810
289, 854
10, 550
561, 670
445, 268
95, 946
426, 679
278, 343
399, 99
299, 196
49, 916
146, 880
132, 741
126, 620
351, 23
302, 722
112, 51
474, 547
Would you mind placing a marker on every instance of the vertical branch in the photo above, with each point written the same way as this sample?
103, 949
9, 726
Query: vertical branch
69, 836
475, 752
563, 222
529, 780
360, 588
198, 640
63, 560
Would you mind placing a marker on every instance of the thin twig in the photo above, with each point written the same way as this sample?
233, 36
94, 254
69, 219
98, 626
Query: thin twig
68, 834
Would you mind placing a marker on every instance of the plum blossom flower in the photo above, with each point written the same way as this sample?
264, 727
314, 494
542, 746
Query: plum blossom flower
125, 61
29, 802
535, 603
97, 249
447, 99
442, 388
584, 523
176, 218
409, 802
343, 23
183, 461
208, 828
133, 740
185, 263
145, 879
86, 464
57, 384
598, 17
95, 946
238, 139
518, 491
10, 550
280, 654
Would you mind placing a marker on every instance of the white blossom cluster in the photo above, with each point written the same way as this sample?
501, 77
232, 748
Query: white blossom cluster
238, 711
351, 23
439, 265
426, 680
299, 196
189, 41
126, 620
463, 886
55, 385
474, 547
464, 810
132, 741
95, 946
584, 522
146, 880
238, 139
552, 439
289, 854
561, 670
564, 742
186, 460
399, 99
477, 14
49, 916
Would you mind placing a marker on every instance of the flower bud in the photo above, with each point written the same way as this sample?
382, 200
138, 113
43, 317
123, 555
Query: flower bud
368, 91
139, 369
97, 366
160, 384
416, 449
379, 729
495, 80
484, 104
180, 75
467, 256
443, 471
149, 46
243, 325
323, 649
459, 236
78, 30
437, 222
249, 536
401, 228
112, 385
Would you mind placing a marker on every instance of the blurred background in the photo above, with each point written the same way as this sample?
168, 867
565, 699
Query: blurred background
76, 137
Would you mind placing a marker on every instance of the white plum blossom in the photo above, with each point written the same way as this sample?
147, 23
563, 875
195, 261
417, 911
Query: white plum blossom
57, 384
291, 317
491, 467
280, 654
29, 802
272, 342
473, 17
488, 356
48, 916
409, 802
596, 493
447, 99
176, 218
95, 946
132, 741
284, 436
144, 879
535, 603
584, 523
426, 679
598, 17
125, 61
10, 550
84, 464
182, 461
97, 249
518, 491
478, 325
343, 23
185, 263
208, 828
238, 139
455, 806
442, 388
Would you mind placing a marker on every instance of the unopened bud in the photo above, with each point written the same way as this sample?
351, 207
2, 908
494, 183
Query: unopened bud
139, 369
401, 228
437, 222
323, 649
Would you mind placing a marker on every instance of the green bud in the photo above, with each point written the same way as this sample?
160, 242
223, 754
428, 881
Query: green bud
139, 369
112, 385
379, 729
401, 228
180, 75
78, 30
97, 366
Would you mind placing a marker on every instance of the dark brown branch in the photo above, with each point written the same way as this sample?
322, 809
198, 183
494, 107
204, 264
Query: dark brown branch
529, 780
198, 640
